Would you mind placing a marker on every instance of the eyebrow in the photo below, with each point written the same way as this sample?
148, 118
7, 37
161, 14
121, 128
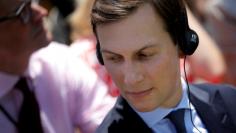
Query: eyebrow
107, 51
148, 45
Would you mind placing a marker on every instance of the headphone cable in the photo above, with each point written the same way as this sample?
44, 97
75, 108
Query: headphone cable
188, 92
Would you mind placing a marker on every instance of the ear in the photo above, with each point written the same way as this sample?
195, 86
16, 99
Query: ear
180, 52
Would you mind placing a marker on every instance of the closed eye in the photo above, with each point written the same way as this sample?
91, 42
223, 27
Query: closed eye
113, 58
144, 56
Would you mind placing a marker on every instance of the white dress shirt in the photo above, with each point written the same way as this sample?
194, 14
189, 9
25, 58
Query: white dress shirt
69, 93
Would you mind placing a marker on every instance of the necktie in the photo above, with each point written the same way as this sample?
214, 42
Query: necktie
177, 118
29, 116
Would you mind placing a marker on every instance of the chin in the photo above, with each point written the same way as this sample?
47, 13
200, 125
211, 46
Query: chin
44, 43
144, 108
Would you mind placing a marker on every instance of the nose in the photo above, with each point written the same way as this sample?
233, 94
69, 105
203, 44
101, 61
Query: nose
38, 12
132, 74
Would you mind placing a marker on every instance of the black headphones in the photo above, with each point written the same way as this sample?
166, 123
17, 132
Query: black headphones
187, 39
99, 54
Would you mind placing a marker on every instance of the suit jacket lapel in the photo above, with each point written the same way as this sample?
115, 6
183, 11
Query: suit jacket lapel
129, 120
202, 101
227, 95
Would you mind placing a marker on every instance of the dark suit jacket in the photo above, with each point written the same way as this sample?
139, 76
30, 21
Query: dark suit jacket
215, 104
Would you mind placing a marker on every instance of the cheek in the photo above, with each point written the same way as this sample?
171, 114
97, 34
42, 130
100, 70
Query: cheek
163, 70
157, 67
13, 38
116, 74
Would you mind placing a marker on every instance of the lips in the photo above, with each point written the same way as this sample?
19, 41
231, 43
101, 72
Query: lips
139, 93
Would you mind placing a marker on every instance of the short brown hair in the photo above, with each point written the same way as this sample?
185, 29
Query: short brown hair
171, 11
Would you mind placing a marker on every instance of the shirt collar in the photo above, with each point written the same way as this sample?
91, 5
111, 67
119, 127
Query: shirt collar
160, 113
7, 81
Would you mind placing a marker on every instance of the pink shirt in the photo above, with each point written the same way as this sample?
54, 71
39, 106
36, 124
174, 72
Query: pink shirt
70, 94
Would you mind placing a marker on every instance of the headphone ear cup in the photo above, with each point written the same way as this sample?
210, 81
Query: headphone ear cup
191, 43
99, 54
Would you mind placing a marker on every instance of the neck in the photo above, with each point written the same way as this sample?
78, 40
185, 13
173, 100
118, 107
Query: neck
13, 65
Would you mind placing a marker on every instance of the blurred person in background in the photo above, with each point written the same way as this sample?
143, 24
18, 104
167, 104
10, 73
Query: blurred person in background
84, 42
207, 64
43, 87
56, 20
219, 19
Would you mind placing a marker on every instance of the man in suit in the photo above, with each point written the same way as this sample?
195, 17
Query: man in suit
140, 43
42, 87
